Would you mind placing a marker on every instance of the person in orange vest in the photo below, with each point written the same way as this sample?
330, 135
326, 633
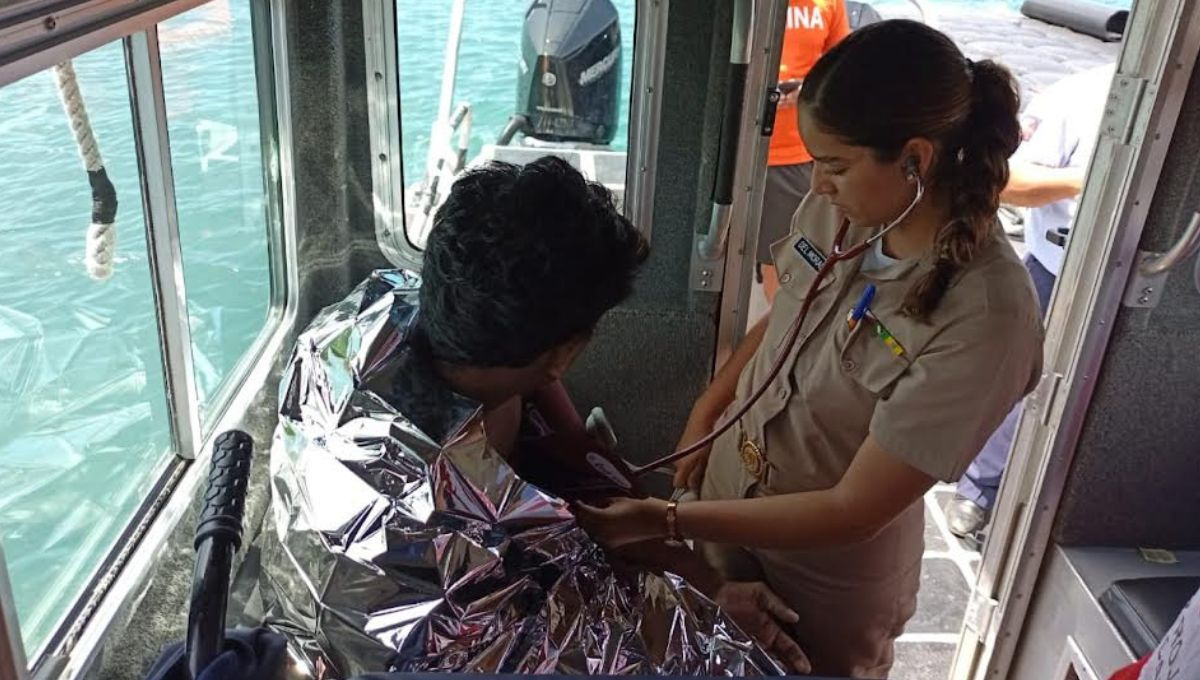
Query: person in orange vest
813, 26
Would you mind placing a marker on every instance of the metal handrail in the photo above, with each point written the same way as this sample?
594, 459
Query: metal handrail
1187, 246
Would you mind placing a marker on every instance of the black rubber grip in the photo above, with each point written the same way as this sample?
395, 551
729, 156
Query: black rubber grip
730, 123
225, 497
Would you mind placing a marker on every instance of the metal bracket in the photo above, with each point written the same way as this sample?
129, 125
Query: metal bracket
1143, 291
707, 273
1149, 277
51, 668
1123, 107
981, 611
1196, 275
1045, 395
13, 662
707, 276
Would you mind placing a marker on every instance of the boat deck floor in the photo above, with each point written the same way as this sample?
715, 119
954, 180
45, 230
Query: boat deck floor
926, 649
1037, 53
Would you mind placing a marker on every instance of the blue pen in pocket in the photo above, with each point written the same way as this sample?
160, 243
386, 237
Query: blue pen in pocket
864, 302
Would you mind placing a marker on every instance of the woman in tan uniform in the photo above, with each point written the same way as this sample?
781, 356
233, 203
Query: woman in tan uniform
817, 488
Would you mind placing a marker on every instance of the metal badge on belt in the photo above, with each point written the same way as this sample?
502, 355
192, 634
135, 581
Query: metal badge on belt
753, 459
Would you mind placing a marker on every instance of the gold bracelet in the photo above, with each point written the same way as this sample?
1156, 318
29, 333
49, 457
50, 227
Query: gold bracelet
672, 523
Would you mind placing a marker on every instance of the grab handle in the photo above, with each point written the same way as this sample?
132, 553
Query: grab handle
218, 537
1187, 246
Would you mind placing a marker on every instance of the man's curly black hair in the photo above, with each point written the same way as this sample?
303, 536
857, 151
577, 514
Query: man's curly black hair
522, 259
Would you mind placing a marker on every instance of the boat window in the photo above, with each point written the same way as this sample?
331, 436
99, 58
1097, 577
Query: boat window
510, 80
84, 422
208, 76
106, 210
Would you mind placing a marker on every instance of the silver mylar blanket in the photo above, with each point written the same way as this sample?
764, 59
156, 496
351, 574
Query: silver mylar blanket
399, 540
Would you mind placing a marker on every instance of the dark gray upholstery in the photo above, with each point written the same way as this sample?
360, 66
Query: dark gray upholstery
653, 355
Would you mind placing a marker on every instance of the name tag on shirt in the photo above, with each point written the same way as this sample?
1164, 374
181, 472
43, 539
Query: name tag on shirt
814, 257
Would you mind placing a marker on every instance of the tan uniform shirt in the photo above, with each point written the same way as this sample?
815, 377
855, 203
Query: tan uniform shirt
932, 402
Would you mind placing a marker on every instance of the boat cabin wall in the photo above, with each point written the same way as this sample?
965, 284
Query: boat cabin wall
331, 151
652, 356
1133, 479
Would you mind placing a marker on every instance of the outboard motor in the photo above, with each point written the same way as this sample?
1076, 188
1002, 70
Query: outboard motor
861, 14
570, 71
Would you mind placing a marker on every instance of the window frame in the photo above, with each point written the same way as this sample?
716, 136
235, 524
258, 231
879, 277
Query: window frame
387, 153
13, 664
36, 35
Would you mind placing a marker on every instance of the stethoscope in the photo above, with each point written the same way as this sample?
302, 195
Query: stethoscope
838, 255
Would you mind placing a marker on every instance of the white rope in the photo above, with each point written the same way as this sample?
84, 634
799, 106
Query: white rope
99, 247
72, 101
101, 240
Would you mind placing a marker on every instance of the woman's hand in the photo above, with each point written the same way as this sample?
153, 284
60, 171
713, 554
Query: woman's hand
759, 612
623, 521
689, 471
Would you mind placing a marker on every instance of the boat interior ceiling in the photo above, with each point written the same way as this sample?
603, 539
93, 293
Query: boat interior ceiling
1132, 479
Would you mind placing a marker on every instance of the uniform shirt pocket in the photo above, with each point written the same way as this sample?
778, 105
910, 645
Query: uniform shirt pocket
868, 358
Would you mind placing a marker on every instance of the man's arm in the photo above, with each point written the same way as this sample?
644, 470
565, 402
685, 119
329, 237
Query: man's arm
1032, 186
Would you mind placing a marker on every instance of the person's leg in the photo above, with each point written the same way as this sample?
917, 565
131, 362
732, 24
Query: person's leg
848, 631
786, 186
972, 505
1043, 281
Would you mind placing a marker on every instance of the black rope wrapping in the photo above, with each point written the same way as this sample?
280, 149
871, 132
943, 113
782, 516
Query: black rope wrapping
104, 197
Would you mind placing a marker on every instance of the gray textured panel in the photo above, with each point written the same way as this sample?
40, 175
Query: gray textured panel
693, 87
1133, 481
653, 356
645, 368
332, 153
1038, 54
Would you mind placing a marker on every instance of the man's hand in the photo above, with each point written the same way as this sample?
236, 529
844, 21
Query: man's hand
759, 611
622, 521
789, 100
789, 91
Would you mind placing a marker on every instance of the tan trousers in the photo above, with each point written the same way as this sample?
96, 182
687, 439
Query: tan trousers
845, 631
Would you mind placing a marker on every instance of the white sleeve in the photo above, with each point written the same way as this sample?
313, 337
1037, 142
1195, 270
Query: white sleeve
1051, 144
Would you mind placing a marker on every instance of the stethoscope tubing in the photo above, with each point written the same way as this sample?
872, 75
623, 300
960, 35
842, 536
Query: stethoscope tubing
838, 255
